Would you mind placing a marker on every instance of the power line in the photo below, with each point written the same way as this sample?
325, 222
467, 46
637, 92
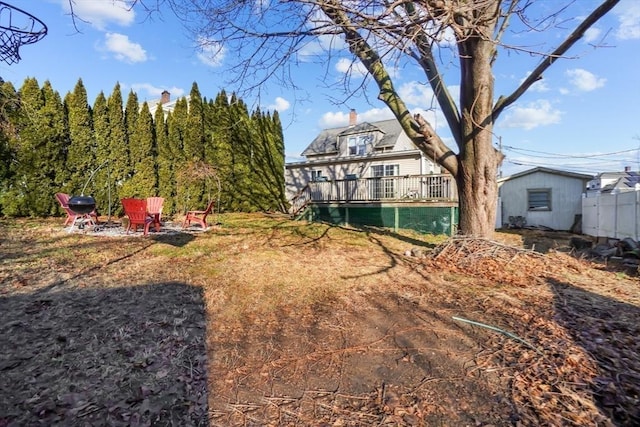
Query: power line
566, 156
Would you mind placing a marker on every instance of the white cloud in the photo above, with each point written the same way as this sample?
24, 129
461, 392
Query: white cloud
123, 49
341, 118
375, 115
280, 104
592, 34
538, 113
628, 14
319, 47
211, 53
323, 43
435, 117
539, 86
101, 13
155, 92
421, 95
584, 81
355, 68
416, 93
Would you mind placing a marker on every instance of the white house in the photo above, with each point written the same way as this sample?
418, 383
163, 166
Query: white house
359, 151
542, 197
614, 182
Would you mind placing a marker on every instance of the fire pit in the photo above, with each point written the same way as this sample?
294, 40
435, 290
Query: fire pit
82, 205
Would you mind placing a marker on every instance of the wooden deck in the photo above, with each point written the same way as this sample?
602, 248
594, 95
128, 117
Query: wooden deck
388, 190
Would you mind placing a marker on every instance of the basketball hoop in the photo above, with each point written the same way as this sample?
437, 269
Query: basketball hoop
17, 28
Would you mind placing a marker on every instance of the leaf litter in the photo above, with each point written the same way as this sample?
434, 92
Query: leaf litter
184, 330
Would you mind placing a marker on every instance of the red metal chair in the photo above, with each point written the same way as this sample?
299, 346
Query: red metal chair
136, 211
154, 208
63, 199
199, 217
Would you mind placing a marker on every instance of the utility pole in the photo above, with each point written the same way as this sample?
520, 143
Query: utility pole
500, 149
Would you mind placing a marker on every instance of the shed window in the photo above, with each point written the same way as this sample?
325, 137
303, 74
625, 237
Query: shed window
539, 199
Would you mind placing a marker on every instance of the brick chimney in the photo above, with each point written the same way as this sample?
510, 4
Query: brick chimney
166, 97
353, 118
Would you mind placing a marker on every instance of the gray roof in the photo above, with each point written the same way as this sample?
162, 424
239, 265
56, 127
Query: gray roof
547, 170
624, 180
327, 141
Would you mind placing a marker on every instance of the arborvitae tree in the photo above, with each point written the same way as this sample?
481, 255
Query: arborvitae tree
102, 184
131, 113
141, 145
194, 132
8, 102
164, 163
241, 156
176, 125
56, 137
9, 115
22, 193
194, 186
218, 145
119, 166
268, 162
38, 149
277, 159
81, 159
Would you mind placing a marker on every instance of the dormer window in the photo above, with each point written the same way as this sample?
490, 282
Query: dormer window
358, 145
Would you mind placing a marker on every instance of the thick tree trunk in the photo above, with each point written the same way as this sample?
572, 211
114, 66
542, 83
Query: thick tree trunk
478, 159
478, 190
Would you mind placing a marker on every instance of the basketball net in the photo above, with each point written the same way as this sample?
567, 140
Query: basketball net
17, 28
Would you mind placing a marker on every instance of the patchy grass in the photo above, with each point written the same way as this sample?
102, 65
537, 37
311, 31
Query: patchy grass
266, 321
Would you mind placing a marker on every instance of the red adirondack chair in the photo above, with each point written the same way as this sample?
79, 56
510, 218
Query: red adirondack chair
199, 217
154, 208
136, 211
63, 199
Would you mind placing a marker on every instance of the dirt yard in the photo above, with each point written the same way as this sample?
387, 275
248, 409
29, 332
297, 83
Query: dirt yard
261, 321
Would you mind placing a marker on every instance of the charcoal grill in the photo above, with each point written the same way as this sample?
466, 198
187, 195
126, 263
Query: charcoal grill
82, 205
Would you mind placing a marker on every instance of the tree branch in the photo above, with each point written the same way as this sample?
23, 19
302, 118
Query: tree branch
428, 64
536, 75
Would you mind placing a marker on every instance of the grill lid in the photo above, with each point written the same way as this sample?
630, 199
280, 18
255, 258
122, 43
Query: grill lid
82, 204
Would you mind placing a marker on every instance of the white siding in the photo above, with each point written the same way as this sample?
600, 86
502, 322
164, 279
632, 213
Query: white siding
566, 199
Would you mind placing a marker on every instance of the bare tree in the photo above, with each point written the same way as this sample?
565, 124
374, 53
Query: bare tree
268, 37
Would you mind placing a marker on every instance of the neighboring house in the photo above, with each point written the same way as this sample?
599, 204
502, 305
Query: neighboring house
371, 174
168, 105
542, 197
358, 151
614, 182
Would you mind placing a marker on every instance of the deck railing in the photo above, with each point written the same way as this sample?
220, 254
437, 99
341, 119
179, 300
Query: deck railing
387, 188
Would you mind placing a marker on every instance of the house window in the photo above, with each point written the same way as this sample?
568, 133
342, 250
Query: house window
385, 170
358, 145
317, 176
539, 199
383, 188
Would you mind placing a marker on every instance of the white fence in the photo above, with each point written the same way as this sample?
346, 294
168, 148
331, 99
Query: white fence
612, 215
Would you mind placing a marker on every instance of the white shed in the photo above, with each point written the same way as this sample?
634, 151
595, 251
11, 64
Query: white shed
542, 197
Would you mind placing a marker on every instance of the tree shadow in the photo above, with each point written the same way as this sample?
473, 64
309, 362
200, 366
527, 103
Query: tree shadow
178, 239
131, 355
608, 330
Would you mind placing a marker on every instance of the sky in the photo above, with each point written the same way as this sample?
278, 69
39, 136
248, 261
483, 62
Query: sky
583, 116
